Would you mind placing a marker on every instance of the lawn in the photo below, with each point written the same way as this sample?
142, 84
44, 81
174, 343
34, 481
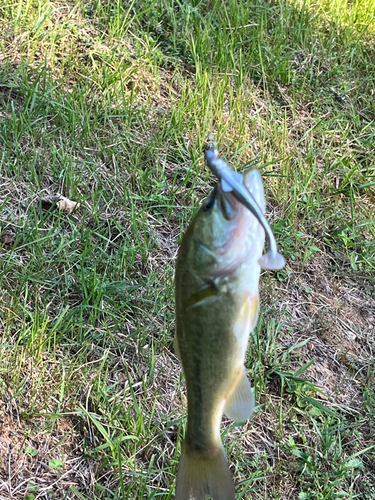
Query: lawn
109, 103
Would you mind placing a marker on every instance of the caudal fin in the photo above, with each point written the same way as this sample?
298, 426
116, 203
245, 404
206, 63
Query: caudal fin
199, 478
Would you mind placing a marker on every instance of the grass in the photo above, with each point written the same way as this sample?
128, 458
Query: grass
109, 103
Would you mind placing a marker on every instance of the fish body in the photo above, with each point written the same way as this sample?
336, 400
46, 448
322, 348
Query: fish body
217, 301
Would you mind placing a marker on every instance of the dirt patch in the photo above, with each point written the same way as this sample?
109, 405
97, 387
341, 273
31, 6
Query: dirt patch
339, 319
30, 459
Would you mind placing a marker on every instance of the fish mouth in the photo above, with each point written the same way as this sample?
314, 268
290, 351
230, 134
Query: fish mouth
231, 253
232, 214
232, 182
227, 204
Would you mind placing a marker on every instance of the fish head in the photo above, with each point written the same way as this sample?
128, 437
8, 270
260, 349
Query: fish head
226, 234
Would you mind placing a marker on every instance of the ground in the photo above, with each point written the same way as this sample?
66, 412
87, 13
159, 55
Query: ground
109, 105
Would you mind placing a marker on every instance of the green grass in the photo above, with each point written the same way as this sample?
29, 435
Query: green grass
109, 103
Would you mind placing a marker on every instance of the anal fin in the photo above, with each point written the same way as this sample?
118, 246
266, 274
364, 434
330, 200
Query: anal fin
239, 404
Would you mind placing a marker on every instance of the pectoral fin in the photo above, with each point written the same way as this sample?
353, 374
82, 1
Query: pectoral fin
239, 404
205, 296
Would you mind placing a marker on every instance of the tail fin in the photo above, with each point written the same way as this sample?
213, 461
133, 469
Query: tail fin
199, 477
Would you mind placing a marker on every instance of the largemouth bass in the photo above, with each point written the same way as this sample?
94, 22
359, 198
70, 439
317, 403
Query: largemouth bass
217, 302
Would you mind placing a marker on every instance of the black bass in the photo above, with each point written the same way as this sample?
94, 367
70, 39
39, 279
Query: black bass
217, 301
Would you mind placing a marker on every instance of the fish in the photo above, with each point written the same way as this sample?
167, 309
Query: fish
217, 305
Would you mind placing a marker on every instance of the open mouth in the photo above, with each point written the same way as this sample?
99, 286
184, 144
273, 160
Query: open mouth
231, 183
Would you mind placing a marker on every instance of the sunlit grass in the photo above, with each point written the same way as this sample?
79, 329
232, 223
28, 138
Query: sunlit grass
110, 103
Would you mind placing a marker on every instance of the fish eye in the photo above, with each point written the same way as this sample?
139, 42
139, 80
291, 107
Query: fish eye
208, 204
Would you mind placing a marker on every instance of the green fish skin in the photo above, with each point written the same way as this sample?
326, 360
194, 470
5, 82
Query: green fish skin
217, 301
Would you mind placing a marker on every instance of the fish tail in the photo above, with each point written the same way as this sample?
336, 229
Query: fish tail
199, 477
